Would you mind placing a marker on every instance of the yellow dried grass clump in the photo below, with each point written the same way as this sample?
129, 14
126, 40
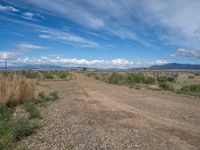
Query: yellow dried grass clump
16, 89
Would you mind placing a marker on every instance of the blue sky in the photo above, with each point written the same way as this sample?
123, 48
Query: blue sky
106, 33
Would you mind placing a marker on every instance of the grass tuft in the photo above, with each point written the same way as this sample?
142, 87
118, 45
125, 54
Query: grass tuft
23, 127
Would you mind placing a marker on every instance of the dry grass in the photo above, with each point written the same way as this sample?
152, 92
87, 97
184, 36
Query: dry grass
16, 89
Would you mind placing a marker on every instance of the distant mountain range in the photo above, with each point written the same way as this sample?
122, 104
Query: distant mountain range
46, 67
170, 66
175, 66
34, 67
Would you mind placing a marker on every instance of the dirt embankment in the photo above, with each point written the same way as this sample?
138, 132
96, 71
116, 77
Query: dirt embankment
95, 115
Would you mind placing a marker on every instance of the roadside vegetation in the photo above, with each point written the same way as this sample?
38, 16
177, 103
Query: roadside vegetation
39, 75
193, 89
19, 109
178, 82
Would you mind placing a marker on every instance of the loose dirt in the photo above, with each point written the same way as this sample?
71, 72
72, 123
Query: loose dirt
94, 115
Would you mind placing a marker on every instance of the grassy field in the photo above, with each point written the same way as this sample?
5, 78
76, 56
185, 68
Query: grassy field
20, 100
179, 82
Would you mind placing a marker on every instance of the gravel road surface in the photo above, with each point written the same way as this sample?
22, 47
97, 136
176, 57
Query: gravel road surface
91, 114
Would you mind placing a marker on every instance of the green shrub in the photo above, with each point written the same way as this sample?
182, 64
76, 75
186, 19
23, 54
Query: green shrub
14, 130
115, 78
5, 113
191, 77
162, 79
137, 87
23, 127
47, 74
6, 135
42, 95
11, 102
96, 77
166, 86
92, 74
149, 80
33, 75
135, 78
88, 74
193, 89
42, 99
63, 74
53, 95
171, 79
197, 73
31, 108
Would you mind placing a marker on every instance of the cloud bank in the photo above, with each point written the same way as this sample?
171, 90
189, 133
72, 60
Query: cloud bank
29, 46
66, 36
74, 62
188, 53
8, 8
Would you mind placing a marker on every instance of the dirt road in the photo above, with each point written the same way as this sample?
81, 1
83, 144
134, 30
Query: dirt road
95, 115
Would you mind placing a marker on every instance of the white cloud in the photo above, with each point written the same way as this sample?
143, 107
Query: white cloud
29, 16
122, 62
7, 55
187, 53
161, 62
11, 54
74, 62
22, 48
178, 19
29, 46
32, 16
8, 8
67, 37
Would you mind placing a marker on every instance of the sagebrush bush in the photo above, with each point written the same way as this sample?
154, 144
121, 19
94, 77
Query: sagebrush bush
149, 80
197, 73
42, 95
47, 74
191, 77
115, 78
54, 95
23, 127
193, 89
6, 135
134, 78
13, 130
166, 86
5, 113
63, 74
162, 79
